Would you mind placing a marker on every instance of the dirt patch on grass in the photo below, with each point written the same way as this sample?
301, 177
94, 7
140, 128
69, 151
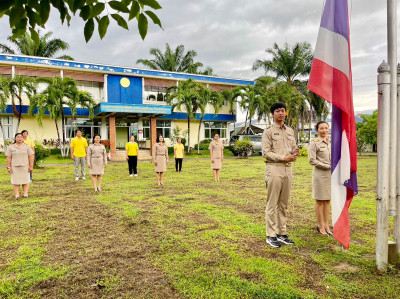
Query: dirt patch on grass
346, 268
103, 258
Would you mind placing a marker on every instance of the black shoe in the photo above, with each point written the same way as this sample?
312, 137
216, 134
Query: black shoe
284, 239
273, 242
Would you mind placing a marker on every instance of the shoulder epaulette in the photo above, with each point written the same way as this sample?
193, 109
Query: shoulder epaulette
316, 140
269, 126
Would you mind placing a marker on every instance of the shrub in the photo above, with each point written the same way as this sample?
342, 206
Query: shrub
303, 151
55, 151
243, 148
204, 144
40, 153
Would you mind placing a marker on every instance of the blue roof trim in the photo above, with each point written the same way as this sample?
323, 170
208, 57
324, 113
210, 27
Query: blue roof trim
67, 111
207, 117
116, 69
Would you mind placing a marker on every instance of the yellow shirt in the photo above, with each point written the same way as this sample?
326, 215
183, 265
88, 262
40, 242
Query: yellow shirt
79, 144
132, 148
179, 149
29, 142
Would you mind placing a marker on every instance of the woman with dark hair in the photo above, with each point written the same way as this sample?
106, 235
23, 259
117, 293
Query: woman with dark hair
319, 155
97, 160
217, 156
20, 158
160, 159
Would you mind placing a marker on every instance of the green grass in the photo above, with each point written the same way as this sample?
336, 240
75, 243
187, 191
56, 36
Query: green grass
191, 238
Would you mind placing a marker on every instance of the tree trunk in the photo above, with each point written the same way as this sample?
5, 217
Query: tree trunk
188, 119
4, 135
63, 132
70, 133
20, 111
58, 134
310, 128
198, 137
234, 123
245, 122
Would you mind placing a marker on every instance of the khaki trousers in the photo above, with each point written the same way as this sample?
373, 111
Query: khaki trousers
278, 178
82, 162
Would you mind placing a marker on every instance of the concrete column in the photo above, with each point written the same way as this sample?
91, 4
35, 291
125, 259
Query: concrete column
382, 213
105, 91
112, 134
153, 132
13, 71
103, 129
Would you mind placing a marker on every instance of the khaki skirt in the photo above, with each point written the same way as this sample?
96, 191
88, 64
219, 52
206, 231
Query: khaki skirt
20, 175
321, 184
97, 166
161, 163
217, 163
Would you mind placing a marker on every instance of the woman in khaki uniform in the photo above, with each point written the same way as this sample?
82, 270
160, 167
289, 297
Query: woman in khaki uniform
160, 159
319, 155
217, 156
20, 158
97, 160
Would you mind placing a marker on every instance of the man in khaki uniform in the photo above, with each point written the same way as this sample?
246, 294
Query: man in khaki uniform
279, 150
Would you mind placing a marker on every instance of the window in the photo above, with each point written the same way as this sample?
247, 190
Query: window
212, 128
7, 122
146, 128
88, 127
164, 128
155, 93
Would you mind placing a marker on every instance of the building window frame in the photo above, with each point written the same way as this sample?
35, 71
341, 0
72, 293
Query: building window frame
212, 127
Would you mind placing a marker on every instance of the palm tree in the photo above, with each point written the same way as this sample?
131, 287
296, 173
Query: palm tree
205, 97
175, 61
251, 102
4, 96
60, 93
287, 63
20, 86
47, 47
185, 95
263, 84
232, 97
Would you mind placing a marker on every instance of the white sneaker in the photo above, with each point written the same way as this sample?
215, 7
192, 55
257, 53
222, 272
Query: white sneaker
77, 178
83, 178
131, 175
136, 175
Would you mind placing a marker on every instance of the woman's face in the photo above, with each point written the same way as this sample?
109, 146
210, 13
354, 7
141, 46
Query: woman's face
179, 140
161, 139
323, 130
216, 137
19, 138
97, 139
132, 138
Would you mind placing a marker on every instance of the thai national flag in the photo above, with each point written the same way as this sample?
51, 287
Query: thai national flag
331, 79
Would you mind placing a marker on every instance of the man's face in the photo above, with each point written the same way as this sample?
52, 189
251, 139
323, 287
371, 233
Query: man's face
25, 135
79, 134
279, 114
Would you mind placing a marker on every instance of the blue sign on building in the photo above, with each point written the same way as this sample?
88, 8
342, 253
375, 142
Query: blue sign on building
124, 89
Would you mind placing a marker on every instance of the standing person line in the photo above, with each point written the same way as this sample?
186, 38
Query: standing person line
160, 159
179, 155
79, 147
31, 144
97, 160
217, 156
132, 155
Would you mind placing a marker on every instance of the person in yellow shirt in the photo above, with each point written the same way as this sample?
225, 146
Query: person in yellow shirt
31, 144
179, 154
132, 155
79, 147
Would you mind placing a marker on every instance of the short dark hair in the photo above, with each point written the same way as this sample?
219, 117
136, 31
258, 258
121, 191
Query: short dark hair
277, 105
23, 131
95, 135
79, 130
319, 123
158, 138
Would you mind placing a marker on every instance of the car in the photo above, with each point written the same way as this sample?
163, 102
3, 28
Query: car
256, 140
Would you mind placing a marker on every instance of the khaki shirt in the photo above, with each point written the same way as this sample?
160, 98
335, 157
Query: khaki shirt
19, 155
160, 150
216, 149
319, 154
277, 143
97, 151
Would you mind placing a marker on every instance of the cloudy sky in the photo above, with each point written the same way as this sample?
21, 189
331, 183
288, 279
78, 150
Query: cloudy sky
229, 35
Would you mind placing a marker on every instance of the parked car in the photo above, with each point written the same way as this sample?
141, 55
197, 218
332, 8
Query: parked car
256, 140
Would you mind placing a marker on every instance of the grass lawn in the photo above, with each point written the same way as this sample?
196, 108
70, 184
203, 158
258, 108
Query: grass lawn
191, 238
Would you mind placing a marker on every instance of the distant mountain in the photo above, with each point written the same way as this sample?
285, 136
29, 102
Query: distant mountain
369, 111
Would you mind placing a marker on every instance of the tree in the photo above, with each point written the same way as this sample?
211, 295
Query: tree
20, 86
4, 96
205, 97
174, 61
60, 93
232, 97
251, 102
185, 95
287, 63
367, 131
28, 15
263, 84
25, 45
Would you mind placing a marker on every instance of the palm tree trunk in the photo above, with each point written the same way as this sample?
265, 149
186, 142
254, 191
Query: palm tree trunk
198, 137
4, 135
245, 122
20, 112
310, 128
234, 124
63, 132
188, 119
58, 134
70, 133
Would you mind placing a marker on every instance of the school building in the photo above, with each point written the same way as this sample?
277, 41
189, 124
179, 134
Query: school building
129, 101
